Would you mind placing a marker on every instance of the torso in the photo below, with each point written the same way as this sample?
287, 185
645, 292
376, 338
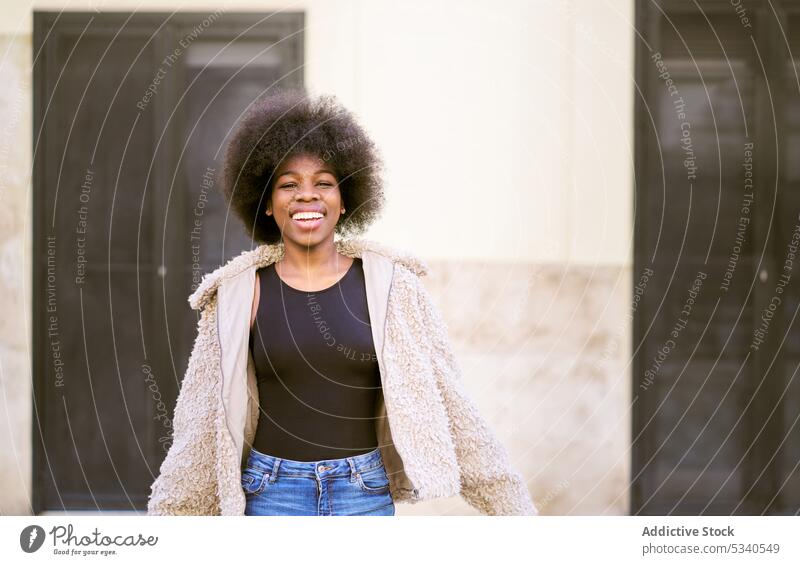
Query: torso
316, 368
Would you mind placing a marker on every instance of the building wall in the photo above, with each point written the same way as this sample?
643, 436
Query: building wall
506, 131
16, 405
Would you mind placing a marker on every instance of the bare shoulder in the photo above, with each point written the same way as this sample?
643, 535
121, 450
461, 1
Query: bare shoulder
256, 296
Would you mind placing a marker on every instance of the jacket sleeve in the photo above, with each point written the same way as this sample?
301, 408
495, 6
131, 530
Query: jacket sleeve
489, 483
186, 484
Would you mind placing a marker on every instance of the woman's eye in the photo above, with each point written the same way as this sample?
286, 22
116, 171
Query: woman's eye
292, 185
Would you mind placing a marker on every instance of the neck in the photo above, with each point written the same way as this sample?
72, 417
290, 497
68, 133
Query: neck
310, 260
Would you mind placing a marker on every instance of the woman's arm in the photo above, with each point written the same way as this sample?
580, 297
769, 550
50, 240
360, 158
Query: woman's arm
489, 483
186, 484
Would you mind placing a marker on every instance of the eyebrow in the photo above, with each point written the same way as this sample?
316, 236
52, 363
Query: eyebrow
316, 173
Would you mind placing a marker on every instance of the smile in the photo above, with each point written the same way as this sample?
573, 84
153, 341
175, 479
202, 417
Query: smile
308, 220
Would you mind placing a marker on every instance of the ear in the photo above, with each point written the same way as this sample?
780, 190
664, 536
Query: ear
268, 194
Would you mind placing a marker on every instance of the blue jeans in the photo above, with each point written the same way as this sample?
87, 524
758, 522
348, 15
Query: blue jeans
349, 486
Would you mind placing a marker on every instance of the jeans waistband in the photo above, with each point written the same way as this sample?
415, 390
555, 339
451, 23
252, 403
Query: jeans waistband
323, 467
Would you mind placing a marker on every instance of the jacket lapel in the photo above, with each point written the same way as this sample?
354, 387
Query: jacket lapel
378, 272
233, 326
378, 277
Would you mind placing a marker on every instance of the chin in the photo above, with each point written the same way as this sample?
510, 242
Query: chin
308, 240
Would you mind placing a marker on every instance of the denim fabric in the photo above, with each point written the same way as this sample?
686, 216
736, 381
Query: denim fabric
349, 486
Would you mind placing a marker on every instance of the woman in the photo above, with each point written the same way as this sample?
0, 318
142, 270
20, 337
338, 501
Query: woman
322, 381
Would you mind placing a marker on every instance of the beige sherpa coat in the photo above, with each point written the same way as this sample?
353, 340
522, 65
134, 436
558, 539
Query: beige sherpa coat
433, 441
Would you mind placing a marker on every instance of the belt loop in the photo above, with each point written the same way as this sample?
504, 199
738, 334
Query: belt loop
353, 470
274, 476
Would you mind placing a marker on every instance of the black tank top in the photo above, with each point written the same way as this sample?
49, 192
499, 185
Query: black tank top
316, 368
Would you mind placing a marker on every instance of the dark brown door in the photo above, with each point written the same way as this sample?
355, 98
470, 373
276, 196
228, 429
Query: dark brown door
715, 392
131, 113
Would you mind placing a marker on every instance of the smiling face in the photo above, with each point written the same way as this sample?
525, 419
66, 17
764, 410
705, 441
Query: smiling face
306, 201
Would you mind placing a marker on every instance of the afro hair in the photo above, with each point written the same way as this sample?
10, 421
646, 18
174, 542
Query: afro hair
288, 123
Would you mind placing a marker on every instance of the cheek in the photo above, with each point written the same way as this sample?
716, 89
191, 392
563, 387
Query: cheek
334, 199
277, 204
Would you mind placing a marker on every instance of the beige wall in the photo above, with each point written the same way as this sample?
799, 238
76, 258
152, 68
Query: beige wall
16, 406
507, 131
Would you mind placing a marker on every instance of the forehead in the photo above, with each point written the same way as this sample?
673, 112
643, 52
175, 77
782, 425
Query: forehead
303, 163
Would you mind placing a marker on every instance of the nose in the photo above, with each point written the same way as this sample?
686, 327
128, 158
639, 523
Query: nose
305, 191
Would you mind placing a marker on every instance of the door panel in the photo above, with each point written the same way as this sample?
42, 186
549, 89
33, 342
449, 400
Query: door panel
713, 127
127, 144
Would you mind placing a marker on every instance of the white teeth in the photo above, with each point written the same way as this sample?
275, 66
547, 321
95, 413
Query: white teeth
306, 215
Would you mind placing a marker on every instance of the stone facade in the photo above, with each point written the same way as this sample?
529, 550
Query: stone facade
544, 351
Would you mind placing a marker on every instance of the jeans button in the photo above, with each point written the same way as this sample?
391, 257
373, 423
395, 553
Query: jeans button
321, 468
